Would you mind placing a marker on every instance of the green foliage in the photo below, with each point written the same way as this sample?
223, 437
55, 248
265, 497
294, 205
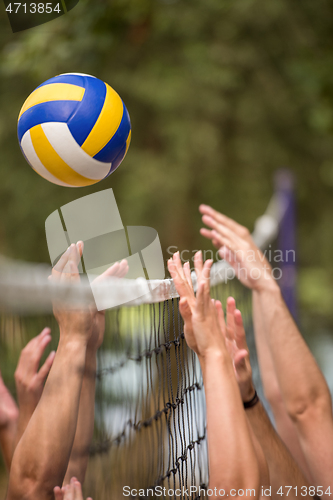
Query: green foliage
220, 93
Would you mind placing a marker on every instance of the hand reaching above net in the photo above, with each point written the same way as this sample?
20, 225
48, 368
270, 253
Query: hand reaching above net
237, 247
90, 323
183, 283
86, 319
73, 321
208, 324
208, 335
237, 348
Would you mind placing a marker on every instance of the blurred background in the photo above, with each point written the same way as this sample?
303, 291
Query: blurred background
221, 93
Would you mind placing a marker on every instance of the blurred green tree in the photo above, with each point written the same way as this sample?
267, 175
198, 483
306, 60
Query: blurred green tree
220, 93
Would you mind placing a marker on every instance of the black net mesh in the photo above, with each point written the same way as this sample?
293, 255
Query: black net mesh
150, 428
150, 404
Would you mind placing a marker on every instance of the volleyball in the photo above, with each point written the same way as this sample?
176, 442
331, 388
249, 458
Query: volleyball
74, 130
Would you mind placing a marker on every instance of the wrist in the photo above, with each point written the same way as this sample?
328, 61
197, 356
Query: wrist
267, 285
248, 393
72, 349
73, 337
214, 355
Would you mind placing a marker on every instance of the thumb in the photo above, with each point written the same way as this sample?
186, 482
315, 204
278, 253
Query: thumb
185, 309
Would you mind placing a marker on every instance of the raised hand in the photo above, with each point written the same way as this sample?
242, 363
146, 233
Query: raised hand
208, 329
71, 491
73, 321
117, 270
29, 380
183, 283
91, 320
237, 347
237, 247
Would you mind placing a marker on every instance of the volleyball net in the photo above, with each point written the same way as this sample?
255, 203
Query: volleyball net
150, 426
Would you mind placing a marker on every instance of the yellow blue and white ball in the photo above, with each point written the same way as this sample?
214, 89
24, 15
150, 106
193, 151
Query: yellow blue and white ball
74, 130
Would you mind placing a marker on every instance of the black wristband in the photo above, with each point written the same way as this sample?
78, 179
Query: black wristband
252, 402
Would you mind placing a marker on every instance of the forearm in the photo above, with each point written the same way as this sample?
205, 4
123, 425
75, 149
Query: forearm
23, 420
284, 425
41, 457
283, 470
261, 459
78, 461
7, 441
265, 360
232, 458
292, 358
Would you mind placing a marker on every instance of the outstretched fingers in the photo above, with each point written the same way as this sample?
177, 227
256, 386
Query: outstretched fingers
203, 300
220, 316
66, 269
240, 335
117, 270
78, 491
198, 264
32, 353
223, 220
58, 493
187, 273
205, 275
231, 307
71, 491
178, 265
181, 277
200, 306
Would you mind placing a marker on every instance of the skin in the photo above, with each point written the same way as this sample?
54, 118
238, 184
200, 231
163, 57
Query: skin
71, 491
226, 424
41, 457
29, 383
85, 425
283, 469
8, 423
306, 401
29, 380
284, 424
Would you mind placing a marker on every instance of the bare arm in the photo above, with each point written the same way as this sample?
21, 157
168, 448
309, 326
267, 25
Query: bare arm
227, 428
303, 388
8, 423
226, 421
41, 457
283, 470
284, 425
307, 398
85, 424
29, 380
